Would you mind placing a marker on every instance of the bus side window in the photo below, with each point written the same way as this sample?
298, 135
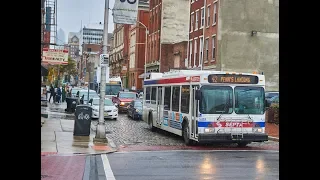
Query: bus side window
167, 98
148, 95
185, 99
153, 95
175, 98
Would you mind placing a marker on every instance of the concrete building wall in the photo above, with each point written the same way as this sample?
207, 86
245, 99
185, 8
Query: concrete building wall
175, 21
239, 50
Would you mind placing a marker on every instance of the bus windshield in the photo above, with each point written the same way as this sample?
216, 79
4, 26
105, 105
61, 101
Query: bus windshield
249, 100
112, 89
216, 100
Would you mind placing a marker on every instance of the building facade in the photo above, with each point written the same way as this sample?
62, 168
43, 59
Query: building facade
137, 51
239, 36
167, 27
90, 34
73, 44
119, 54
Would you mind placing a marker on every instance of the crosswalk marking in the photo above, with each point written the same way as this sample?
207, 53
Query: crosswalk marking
107, 167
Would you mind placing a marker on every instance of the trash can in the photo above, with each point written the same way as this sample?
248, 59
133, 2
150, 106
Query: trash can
71, 104
82, 120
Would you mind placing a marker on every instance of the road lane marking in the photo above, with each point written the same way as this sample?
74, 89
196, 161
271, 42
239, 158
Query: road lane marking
107, 167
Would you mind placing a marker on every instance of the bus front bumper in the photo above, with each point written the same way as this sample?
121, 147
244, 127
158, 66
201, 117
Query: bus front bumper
209, 138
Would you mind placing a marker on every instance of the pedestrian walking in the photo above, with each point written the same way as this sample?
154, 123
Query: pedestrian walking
58, 96
63, 93
51, 93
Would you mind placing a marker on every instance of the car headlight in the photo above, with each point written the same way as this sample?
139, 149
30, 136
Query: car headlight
122, 103
95, 110
115, 110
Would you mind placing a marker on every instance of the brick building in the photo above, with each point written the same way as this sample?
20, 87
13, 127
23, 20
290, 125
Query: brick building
248, 41
119, 54
137, 47
168, 28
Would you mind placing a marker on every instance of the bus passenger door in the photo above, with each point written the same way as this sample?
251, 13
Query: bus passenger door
194, 112
159, 106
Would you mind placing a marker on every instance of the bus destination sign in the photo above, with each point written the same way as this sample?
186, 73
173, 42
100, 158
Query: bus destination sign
233, 78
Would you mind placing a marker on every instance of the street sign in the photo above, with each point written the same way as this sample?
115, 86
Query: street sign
125, 11
104, 59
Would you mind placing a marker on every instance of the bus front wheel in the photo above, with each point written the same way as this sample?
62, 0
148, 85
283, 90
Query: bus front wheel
186, 133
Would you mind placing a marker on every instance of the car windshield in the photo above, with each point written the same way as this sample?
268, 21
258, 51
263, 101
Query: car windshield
271, 94
112, 89
249, 100
127, 95
216, 100
107, 102
275, 99
138, 104
92, 94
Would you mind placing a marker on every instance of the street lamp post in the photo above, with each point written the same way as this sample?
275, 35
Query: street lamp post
145, 49
101, 128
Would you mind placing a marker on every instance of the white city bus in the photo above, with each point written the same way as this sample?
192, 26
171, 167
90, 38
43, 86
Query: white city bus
207, 106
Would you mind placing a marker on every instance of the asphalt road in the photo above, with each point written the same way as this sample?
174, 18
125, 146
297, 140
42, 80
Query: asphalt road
198, 165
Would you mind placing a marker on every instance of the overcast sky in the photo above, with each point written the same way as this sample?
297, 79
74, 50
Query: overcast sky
71, 12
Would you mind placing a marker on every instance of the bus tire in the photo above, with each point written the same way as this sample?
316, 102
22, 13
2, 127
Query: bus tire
150, 122
185, 133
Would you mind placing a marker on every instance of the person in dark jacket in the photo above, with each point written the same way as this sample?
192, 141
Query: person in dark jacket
58, 96
51, 93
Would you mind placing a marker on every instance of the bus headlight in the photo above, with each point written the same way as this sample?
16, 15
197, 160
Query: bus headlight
257, 130
208, 130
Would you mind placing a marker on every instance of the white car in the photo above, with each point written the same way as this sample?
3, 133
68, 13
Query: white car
110, 110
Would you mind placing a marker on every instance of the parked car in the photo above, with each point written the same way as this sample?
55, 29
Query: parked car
123, 99
274, 100
75, 90
270, 95
110, 110
84, 95
135, 109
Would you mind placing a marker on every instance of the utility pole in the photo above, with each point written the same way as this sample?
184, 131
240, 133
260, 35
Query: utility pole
101, 128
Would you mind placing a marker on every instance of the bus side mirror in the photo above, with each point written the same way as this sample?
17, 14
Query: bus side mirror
90, 101
198, 95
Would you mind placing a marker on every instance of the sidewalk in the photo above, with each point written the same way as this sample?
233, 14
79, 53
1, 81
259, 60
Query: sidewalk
57, 135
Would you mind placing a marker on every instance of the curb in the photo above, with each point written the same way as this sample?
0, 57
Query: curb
271, 138
74, 154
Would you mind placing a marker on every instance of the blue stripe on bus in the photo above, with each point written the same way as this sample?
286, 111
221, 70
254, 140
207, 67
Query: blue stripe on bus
150, 82
205, 124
